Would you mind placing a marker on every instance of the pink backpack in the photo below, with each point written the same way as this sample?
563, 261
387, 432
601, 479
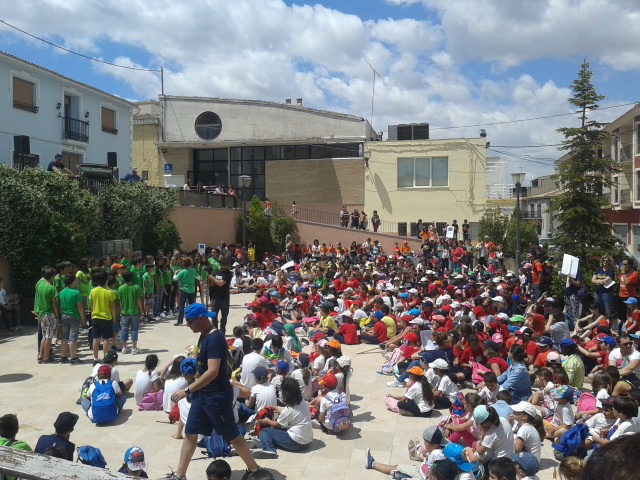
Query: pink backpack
587, 401
152, 400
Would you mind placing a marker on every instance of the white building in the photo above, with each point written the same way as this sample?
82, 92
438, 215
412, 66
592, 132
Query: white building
44, 113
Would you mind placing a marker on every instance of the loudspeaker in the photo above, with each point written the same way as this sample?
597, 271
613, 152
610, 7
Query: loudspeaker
21, 144
112, 159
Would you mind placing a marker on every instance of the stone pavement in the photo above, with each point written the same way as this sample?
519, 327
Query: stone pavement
37, 393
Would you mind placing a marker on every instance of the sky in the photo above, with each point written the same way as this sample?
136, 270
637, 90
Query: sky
460, 65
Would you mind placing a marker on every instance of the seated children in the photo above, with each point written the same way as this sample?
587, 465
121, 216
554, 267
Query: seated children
148, 378
218, 470
563, 416
104, 378
134, 463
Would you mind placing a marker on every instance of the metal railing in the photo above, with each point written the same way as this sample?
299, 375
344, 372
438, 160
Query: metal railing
194, 198
75, 129
24, 160
111, 130
25, 106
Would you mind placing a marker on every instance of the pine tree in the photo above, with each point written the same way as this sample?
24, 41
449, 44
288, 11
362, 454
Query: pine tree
583, 229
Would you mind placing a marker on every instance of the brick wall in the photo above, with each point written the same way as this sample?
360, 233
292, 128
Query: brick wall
336, 182
145, 153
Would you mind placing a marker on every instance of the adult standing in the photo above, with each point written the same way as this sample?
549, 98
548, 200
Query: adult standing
537, 276
132, 177
57, 166
375, 221
465, 230
344, 217
211, 394
603, 281
572, 302
219, 294
628, 288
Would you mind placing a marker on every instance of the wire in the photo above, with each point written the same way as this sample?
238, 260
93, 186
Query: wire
76, 53
527, 119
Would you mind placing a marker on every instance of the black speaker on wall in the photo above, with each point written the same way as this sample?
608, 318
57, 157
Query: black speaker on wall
112, 159
21, 144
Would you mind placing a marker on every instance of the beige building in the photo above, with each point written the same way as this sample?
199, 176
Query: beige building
146, 134
432, 180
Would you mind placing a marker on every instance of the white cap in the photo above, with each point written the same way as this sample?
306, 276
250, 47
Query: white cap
455, 305
440, 364
498, 299
414, 291
423, 279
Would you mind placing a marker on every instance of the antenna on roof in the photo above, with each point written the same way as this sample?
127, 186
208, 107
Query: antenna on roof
373, 91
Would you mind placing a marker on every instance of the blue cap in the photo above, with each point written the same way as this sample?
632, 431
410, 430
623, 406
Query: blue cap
58, 156
414, 311
188, 365
631, 300
567, 342
515, 297
453, 452
313, 285
608, 340
544, 341
260, 371
527, 462
283, 366
196, 310
403, 295
377, 314
562, 392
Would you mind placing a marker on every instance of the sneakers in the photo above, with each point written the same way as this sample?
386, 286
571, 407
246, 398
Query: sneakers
264, 454
63, 360
177, 324
163, 315
368, 461
75, 361
135, 351
96, 361
316, 424
247, 473
396, 383
174, 476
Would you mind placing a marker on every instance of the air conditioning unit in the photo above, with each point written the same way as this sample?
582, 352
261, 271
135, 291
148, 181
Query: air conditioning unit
413, 131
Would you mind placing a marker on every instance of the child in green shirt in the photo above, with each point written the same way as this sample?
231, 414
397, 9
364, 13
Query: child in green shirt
71, 318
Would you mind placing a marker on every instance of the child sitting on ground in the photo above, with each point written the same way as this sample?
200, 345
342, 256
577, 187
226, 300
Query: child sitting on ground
104, 376
263, 393
218, 470
418, 399
329, 382
541, 399
464, 430
134, 463
147, 379
490, 389
281, 371
188, 370
428, 454
563, 416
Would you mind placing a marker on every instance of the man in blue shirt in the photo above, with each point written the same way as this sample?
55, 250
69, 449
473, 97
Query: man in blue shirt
64, 425
57, 166
132, 177
211, 394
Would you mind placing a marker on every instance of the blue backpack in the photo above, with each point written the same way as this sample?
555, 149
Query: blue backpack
89, 455
571, 439
103, 403
217, 446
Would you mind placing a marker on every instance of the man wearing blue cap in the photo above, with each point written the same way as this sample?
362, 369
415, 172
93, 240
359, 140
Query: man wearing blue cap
57, 166
211, 393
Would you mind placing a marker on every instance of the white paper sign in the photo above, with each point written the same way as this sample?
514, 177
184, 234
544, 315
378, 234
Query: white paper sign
426, 337
450, 230
201, 248
570, 265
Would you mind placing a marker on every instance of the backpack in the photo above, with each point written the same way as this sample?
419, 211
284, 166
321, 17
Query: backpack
339, 415
266, 412
103, 403
152, 400
84, 389
586, 401
89, 455
571, 439
457, 406
216, 446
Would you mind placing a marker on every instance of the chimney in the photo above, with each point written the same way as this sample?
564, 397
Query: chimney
299, 101
287, 101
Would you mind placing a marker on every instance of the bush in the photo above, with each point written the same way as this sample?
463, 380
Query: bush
164, 236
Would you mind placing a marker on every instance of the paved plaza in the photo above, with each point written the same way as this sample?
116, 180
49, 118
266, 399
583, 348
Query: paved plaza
37, 393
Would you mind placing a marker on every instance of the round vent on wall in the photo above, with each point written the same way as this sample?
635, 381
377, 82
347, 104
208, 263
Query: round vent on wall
208, 125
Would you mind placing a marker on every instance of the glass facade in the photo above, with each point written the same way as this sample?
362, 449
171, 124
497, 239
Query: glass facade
224, 166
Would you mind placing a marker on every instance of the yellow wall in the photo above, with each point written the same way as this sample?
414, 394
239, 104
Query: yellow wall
145, 153
463, 198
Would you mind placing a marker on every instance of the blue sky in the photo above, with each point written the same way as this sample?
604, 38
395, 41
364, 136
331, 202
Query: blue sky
446, 62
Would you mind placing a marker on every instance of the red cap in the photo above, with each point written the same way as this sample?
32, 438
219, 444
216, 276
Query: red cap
317, 336
329, 379
412, 337
104, 371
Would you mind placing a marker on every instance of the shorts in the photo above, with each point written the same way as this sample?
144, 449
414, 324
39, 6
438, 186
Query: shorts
49, 325
209, 411
102, 328
413, 471
70, 327
148, 300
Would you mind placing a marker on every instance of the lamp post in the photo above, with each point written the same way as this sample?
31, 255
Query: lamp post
517, 178
246, 181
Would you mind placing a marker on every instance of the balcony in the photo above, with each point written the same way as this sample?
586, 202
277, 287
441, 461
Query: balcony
112, 131
25, 106
75, 130
25, 160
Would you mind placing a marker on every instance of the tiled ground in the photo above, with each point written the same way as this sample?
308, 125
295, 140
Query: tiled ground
37, 393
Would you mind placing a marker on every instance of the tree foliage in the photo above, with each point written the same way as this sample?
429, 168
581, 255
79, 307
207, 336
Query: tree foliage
258, 230
528, 233
493, 224
132, 210
48, 218
164, 236
583, 229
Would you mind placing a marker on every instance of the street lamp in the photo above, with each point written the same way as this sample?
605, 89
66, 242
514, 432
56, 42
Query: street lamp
517, 178
246, 181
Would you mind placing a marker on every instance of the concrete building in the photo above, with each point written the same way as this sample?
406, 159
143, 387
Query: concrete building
44, 113
291, 152
432, 180
624, 147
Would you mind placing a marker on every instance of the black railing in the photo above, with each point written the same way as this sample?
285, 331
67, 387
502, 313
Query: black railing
76, 130
113, 131
193, 198
24, 160
25, 106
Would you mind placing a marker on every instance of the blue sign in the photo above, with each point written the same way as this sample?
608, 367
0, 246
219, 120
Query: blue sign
168, 167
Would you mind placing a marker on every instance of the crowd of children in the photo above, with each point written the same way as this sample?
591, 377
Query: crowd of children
530, 373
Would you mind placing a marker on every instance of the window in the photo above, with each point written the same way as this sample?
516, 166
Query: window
423, 172
109, 121
208, 125
637, 138
24, 95
145, 175
637, 199
615, 199
614, 147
